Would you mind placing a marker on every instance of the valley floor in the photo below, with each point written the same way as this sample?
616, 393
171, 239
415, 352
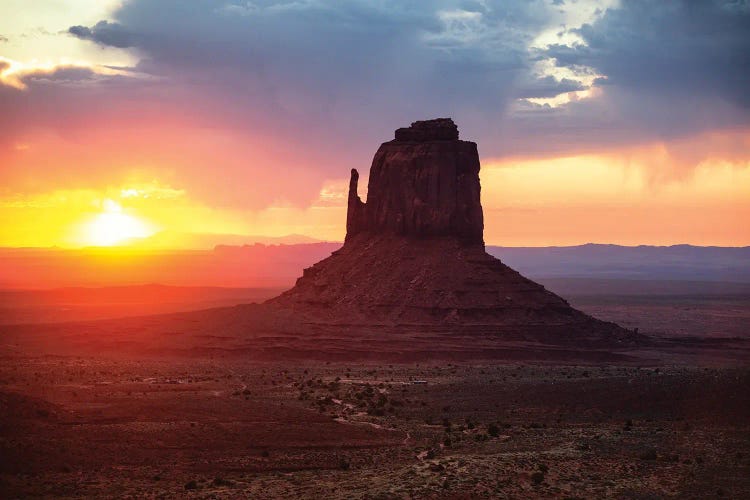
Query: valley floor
221, 428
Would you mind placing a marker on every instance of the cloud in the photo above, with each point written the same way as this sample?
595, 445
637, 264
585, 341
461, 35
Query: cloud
314, 85
20, 76
103, 33
336, 62
250, 103
673, 68
548, 86
691, 48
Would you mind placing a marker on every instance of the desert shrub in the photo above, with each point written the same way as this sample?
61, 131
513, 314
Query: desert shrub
344, 464
493, 430
325, 401
537, 477
649, 454
542, 468
218, 481
191, 485
376, 412
265, 454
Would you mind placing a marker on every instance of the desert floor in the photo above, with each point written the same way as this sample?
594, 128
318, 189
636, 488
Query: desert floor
671, 419
84, 427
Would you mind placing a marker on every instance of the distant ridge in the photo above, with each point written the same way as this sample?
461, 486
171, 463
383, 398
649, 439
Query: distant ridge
675, 262
278, 265
206, 241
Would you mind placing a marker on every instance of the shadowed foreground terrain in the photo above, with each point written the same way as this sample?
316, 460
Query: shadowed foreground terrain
155, 406
214, 428
161, 406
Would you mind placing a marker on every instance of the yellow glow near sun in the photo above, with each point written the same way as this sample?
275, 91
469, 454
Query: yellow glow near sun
113, 227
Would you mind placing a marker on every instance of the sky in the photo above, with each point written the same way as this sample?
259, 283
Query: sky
166, 121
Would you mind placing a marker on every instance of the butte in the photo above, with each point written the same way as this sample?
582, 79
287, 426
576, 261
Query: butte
414, 258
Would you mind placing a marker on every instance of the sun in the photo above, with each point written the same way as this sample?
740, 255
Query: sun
113, 227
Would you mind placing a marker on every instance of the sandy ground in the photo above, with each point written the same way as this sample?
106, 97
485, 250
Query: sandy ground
87, 427
86, 411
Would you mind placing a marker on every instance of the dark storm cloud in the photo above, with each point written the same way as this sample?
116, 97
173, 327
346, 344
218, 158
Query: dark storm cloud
103, 33
668, 70
377, 64
684, 47
287, 65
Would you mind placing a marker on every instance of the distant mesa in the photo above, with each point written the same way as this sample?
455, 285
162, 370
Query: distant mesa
414, 255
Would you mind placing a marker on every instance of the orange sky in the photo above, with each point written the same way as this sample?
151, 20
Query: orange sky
110, 135
606, 197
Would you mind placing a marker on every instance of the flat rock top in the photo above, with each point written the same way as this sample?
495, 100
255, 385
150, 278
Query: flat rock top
439, 129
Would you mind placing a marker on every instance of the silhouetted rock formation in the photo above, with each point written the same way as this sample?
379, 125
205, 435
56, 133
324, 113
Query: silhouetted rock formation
355, 213
423, 183
414, 255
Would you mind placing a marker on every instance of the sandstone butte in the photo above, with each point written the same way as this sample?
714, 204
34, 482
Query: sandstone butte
414, 256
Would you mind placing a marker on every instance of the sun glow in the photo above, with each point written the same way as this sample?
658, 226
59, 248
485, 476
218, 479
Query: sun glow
113, 227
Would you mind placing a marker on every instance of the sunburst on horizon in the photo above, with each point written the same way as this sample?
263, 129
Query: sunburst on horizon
113, 227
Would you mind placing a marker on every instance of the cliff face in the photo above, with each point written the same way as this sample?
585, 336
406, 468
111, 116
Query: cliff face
424, 183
